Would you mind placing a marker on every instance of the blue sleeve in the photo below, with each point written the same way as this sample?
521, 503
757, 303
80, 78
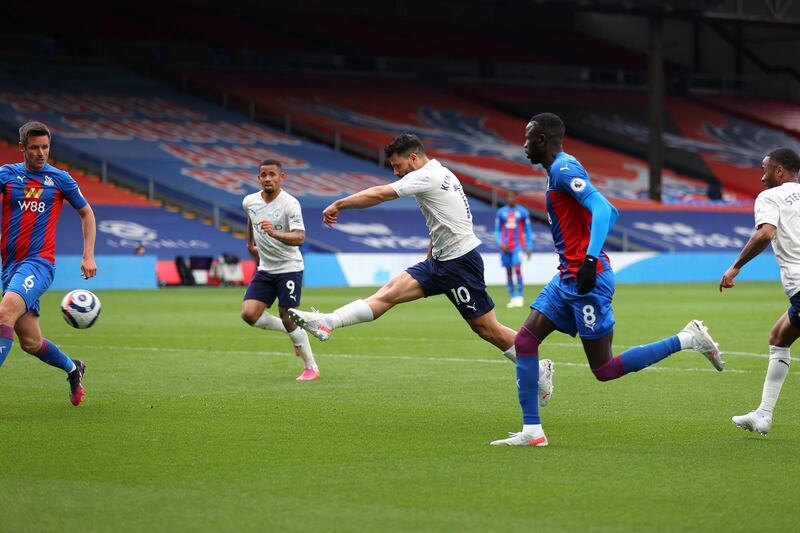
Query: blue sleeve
72, 192
5, 173
497, 230
603, 217
528, 231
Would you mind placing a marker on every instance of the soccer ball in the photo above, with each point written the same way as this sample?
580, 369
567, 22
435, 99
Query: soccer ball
80, 308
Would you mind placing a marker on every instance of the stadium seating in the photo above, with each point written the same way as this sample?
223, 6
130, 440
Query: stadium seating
774, 113
700, 141
126, 220
475, 139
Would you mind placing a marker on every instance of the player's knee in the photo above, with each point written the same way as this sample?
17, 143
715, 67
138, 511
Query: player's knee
249, 317
30, 345
526, 342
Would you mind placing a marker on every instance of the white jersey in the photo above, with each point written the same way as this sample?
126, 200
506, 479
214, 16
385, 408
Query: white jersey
444, 204
284, 211
780, 206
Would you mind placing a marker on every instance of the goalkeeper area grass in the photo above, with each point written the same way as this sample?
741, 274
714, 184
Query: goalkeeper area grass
193, 421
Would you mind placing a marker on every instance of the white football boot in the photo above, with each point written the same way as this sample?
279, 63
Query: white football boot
703, 343
753, 421
546, 369
522, 439
314, 322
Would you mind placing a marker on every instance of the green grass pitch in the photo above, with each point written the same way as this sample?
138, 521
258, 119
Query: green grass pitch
193, 421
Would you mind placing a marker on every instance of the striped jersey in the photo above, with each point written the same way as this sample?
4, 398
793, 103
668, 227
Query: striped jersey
31, 207
512, 228
568, 186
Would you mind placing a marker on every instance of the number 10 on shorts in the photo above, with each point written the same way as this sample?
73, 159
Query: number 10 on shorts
461, 295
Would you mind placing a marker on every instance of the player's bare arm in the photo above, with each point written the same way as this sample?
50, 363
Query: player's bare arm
757, 244
251, 245
88, 266
290, 238
360, 200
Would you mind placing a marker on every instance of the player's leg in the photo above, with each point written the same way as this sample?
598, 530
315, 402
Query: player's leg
505, 259
258, 297
545, 317
289, 286
594, 319
785, 331
31, 341
23, 285
12, 307
405, 287
519, 299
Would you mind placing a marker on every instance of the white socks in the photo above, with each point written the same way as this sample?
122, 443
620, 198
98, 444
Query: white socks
300, 340
777, 370
267, 321
532, 429
511, 353
350, 314
299, 337
685, 340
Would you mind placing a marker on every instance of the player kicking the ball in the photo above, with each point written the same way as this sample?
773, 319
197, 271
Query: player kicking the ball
33, 193
275, 230
578, 299
453, 268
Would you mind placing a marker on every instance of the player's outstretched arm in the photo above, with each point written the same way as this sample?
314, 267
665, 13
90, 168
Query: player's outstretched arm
360, 200
757, 244
88, 266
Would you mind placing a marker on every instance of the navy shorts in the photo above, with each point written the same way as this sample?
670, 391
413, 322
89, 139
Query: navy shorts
509, 259
794, 310
460, 279
286, 287
30, 279
589, 315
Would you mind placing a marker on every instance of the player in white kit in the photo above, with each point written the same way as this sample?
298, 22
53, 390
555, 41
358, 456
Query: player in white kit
275, 231
453, 268
777, 215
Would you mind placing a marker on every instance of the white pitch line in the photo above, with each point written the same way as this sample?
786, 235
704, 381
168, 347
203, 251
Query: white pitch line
501, 360
431, 340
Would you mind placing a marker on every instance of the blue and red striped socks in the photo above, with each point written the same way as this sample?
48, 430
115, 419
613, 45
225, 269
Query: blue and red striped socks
50, 354
6, 340
527, 346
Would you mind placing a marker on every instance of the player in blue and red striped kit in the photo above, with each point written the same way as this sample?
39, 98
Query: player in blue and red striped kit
33, 193
512, 232
578, 299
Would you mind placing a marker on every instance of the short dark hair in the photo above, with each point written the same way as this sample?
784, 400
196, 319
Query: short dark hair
32, 129
271, 162
787, 158
550, 124
403, 145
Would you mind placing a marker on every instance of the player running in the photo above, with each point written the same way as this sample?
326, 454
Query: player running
275, 230
512, 231
777, 215
33, 192
578, 299
453, 267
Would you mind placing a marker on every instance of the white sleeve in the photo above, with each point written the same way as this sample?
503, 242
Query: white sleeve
413, 183
767, 210
244, 206
295, 215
